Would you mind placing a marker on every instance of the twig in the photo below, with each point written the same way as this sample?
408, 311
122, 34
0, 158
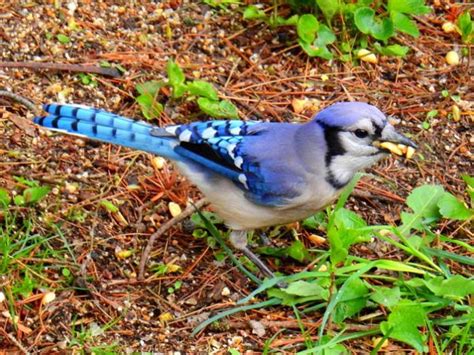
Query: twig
21, 100
80, 68
16, 342
186, 213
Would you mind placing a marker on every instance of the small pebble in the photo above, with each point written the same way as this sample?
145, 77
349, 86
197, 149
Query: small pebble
174, 209
448, 27
225, 291
367, 56
452, 58
48, 297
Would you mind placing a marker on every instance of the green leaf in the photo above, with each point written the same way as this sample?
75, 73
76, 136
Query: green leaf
218, 109
150, 108
151, 87
328, 7
34, 194
281, 21
19, 200
411, 7
63, 38
455, 287
210, 216
465, 25
352, 300
364, 17
316, 221
318, 47
397, 266
315, 51
4, 197
105, 64
469, 180
326, 348
202, 89
307, 27
367, 23
25, 285
451, 207
343, 232
403, 323
252, 12
26, 182
403, 24
432, 114
325, 36
304, 289
346, 220
149, 105
388, 297
109, 206
393, 50
85, 78
423, 201
297, 251
176, 78
285, 298
382, 29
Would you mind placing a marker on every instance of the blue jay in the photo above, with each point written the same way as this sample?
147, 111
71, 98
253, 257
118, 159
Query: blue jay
255, 174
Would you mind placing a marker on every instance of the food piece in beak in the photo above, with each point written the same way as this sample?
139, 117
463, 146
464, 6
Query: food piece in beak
396, 143
392, 147
410, 152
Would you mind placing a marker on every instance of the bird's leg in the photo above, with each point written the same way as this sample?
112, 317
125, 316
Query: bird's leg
264, 239
239, 240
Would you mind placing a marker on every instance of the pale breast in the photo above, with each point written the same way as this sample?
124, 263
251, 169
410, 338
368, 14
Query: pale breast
241, 214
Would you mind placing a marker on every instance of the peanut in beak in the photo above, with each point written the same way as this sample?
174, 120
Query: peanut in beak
398, 149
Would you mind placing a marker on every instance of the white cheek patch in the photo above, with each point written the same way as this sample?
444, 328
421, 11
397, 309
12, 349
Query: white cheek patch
343, 167
355, 146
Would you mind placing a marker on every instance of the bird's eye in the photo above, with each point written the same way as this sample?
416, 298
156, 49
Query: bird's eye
361, 133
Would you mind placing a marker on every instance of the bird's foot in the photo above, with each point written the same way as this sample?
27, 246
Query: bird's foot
239, 240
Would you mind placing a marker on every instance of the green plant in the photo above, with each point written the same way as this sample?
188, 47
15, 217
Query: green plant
88, 79
253, 12
63, 38
422, 296
466, 27
222, 4
362, 23
32, 194
203, 92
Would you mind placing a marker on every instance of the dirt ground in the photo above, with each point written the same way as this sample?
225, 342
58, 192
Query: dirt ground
261, 72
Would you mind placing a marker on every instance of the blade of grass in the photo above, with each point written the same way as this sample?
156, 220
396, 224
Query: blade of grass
217, 235
377, 347
448, 255
304, 333
337, 297
339, 338
267, 303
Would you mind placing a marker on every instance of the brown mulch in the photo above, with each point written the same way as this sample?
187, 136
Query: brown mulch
259, 70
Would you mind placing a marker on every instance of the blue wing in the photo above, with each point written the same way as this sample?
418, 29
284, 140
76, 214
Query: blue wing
221, 146
254, 150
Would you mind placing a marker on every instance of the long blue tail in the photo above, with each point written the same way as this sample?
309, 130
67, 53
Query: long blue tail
107, 127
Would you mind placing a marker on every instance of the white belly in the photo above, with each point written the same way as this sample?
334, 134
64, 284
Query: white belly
241, 214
